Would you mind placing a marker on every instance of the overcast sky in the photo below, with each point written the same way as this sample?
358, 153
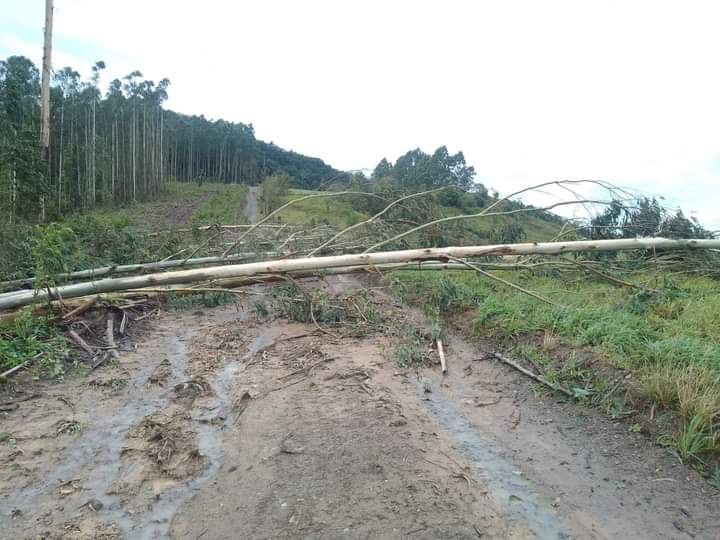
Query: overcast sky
625, 91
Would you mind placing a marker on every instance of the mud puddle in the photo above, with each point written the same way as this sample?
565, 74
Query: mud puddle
97, 450
511, 492
214, 417
77, 480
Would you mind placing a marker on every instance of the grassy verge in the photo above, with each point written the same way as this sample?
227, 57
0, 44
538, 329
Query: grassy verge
181, 204
30, 338
225, 206
334, 211
614, 348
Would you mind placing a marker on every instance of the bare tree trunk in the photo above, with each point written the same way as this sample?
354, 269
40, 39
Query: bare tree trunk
45, 90
60, 156
13, 195
45, 96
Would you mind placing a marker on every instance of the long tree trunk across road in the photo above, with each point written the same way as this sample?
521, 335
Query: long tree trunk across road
17, 299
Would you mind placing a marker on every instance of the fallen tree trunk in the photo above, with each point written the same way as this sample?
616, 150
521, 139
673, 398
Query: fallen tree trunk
129, 268
316, 264
210, 228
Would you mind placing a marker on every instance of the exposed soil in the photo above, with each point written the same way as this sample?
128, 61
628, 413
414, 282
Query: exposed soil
219, 425
174, 213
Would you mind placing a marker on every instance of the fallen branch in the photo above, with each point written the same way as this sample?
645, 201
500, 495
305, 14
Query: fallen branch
484, 213
612, 279
14, 369
81, 342
110, 335
503, 281
538, 378
373, 219
82, 308
441, 353
207, 228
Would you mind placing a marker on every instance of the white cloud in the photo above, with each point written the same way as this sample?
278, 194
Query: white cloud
530, 91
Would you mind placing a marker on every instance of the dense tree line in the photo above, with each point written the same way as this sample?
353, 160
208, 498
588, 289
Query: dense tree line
645, 218
416, 170
120, 146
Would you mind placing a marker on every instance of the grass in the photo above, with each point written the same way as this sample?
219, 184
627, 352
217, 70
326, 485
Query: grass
337, 212
226, 206
536, 229
29, 338
69, 427
695, 440
411, 349
669, 340
210, 203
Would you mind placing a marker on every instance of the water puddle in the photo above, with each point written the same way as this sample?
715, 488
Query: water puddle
511, 491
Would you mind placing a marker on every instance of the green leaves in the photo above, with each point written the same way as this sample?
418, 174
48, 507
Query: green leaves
28, 338
55, 249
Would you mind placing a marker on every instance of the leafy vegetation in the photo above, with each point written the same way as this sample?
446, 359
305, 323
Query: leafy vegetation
225, 206
30, 337
339, 212
356, 313
411, 349
273, 191
647, 218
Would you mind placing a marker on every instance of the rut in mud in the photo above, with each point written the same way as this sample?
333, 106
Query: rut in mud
225, 425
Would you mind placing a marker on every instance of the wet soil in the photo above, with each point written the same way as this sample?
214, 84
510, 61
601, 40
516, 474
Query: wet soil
219, 425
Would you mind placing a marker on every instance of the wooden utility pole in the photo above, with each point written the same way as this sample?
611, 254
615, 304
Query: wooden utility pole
45, 90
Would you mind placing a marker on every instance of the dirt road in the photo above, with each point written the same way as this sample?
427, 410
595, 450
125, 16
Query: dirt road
221, 425
251, 204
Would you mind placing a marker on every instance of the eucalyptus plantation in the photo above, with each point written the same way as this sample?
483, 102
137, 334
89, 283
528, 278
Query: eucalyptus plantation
119, 146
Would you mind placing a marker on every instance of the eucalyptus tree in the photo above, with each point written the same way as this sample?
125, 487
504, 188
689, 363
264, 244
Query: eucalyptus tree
20, 165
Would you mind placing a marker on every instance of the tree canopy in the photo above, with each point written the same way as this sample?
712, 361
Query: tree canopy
417, 170
645, 218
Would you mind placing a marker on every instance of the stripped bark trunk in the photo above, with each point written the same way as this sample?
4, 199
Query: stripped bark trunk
441, 354
17, 299
130, 268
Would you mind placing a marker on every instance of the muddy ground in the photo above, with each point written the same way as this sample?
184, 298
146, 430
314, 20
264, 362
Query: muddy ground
219, 424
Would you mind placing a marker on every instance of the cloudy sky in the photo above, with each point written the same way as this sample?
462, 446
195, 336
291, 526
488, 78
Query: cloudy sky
626, 91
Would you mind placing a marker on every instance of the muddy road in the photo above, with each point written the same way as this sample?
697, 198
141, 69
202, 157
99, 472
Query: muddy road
251, 204
220, 425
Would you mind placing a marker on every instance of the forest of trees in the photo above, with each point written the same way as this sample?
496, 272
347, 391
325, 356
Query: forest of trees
119, 146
